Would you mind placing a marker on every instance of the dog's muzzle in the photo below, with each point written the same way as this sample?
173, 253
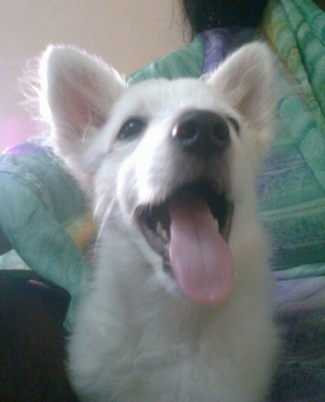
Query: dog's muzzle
190, 229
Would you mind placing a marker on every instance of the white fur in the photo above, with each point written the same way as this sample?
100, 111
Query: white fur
137, 337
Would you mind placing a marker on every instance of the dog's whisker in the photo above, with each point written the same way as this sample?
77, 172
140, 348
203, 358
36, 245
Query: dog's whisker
106, 217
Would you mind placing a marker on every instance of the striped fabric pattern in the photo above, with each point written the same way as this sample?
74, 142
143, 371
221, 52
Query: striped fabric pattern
292, 188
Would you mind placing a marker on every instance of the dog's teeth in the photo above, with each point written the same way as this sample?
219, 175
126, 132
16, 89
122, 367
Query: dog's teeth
161, 231
217, 187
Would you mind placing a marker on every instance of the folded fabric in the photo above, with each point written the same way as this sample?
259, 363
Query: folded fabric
39, 200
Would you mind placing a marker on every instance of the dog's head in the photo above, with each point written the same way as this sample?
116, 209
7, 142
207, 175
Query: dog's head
174, 159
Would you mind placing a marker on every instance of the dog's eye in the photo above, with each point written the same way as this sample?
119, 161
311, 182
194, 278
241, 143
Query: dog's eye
131, 128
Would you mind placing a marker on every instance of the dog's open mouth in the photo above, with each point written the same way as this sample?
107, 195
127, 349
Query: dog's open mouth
190, 230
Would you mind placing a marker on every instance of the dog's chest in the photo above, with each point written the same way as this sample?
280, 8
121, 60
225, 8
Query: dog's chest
177, 358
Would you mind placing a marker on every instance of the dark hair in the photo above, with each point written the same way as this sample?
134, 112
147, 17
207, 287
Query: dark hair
208, 14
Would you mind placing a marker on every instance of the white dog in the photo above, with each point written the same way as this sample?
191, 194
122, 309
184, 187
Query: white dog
180, 305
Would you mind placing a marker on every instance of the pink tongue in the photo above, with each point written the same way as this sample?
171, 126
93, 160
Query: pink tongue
200, 258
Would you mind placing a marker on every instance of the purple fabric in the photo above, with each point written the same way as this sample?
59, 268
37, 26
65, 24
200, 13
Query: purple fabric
222, 41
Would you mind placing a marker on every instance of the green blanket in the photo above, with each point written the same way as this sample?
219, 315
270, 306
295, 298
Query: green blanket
293, 185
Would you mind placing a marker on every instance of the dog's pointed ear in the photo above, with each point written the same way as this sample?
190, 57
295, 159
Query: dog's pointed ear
246, 80
77, 94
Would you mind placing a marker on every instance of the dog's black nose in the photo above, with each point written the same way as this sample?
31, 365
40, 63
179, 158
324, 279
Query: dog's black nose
202, 132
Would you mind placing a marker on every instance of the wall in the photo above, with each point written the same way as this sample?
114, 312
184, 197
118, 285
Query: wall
126, 33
